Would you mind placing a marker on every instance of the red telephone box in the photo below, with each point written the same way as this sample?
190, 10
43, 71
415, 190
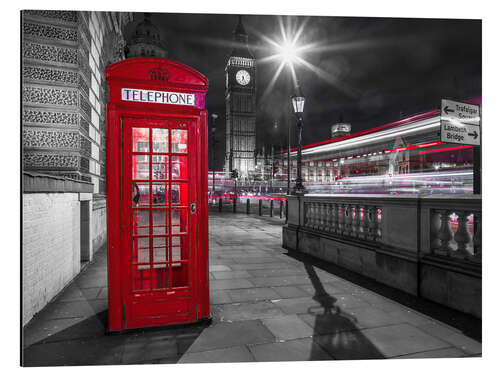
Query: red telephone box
157, 200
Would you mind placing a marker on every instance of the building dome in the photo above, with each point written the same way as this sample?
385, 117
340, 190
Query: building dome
146, 40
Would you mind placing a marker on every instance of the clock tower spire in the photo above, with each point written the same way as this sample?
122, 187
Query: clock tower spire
240, 105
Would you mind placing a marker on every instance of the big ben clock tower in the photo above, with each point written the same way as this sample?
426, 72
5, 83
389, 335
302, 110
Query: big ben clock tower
240, 105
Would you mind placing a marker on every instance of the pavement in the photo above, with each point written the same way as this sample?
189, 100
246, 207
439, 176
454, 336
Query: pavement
266, 304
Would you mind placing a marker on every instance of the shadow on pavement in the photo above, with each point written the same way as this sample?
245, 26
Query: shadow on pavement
86, 343
467, 324
334, 331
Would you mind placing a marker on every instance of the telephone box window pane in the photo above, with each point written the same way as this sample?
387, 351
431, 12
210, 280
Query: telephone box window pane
140, 167
179, 221
160, 222
179, 140
140, 223
179, 167
159, 194
179, 275
160, 140
160, 276
140, 194
179, 194
141, 249
160, 167
141, 277
160, 249
140, 139
179, 248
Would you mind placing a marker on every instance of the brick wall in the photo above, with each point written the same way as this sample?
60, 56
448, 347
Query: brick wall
51, 247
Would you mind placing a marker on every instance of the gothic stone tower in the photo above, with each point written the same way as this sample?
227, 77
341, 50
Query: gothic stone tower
240, 106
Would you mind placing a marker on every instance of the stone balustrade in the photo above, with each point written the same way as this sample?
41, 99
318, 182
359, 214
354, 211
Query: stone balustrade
411, 242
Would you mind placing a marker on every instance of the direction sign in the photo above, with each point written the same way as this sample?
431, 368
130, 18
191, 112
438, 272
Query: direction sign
463, 112
460, 123
460, 133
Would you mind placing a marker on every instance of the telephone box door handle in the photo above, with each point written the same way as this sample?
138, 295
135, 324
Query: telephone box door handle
193, 208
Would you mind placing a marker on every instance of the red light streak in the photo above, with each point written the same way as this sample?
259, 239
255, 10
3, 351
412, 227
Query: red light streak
444, 149
378, 128
416, 146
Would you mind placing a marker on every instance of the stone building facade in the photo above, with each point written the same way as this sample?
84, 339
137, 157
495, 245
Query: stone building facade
64, 56
64, 95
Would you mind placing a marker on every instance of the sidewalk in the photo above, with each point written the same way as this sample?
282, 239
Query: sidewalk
266, 306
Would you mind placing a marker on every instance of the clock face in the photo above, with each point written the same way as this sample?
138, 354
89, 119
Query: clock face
243, 77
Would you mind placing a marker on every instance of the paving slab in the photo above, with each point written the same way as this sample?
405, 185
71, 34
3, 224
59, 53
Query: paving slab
230, 284
246, 311
324, 322
233, 354
290, 291
252, 294
294, 350
401, 339
288, 327
224, 275
218, 297
438, 353
225, 335
348, 345
279, 280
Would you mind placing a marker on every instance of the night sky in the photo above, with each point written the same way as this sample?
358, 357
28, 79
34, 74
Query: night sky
377, 67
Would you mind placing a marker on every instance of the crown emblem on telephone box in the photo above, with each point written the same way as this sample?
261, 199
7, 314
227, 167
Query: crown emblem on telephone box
158, 74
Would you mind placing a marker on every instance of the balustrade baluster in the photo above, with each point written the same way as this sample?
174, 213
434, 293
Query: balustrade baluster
331, 225
365, 224
445, 234
322, 216
315, 215
335, 215
317, 222
340, 213
328, 217
462, 236
478, 252
372, 226
355, 221
378, 232
434, 230
307, 221
348, 220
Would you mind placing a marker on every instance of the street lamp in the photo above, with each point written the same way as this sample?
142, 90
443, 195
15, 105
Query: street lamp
298, 101
214, 117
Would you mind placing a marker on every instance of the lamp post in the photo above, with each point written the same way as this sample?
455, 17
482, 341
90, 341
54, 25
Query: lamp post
298, 101
288, 159
214, 117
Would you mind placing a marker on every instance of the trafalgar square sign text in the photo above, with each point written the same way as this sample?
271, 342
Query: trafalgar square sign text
460, 123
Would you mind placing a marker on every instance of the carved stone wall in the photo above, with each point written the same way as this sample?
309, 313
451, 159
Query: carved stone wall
65, 54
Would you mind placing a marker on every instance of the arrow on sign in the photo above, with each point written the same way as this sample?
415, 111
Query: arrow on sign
473, 134
447, 110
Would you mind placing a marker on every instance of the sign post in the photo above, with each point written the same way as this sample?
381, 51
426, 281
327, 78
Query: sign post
461, 123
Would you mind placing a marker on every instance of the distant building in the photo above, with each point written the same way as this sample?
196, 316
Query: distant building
340, 129
146, 41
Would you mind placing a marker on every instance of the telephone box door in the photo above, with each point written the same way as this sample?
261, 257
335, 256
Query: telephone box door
159, 207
